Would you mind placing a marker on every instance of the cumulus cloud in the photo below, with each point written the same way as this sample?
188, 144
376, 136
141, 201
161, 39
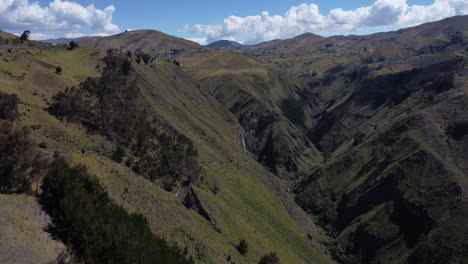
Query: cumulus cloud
58, 15
308, 18
201, 41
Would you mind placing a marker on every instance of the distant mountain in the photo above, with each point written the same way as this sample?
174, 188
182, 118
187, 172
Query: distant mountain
225, 44
66, 40
151, 41
299, 44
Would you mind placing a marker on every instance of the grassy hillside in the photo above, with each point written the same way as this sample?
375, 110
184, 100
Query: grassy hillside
157, 43
250, 203
22, 234
368, 134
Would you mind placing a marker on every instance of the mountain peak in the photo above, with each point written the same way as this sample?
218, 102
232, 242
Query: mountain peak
225, 44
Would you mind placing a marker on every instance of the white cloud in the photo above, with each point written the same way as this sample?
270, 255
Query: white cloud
308, 18
58, 15
74, 35
40, 36
201, 41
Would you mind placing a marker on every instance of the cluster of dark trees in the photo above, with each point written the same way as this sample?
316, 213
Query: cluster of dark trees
142, 56
113, 106
82, 213
98, 230
20, 163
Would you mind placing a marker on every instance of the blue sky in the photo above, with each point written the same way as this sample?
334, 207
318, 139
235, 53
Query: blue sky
208, 20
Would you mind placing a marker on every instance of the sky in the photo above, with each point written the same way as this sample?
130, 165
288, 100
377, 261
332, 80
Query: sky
205, 21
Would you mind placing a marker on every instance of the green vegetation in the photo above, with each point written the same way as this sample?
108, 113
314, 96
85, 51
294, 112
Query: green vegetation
243, 247
111, 106
25, 35
119, 154
98, 230
73, 45
270, 258
20, 164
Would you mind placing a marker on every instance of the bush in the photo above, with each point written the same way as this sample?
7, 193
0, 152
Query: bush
58, 70
73, 45
98, 230
25, 35
8, 107
119, 154
269, 258
146, 58
243, 247
442, 83
20, 164
189, 200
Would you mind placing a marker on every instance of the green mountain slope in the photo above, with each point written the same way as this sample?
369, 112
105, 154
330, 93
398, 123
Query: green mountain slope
241, 198
349, 146
387, 115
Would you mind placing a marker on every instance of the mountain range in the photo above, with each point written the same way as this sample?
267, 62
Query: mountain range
342, 149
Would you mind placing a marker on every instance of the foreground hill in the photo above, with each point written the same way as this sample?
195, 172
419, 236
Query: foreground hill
234, 198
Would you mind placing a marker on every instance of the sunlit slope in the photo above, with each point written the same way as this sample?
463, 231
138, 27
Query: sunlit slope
250, 204
150, 41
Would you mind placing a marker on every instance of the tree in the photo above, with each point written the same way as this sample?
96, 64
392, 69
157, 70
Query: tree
25, 35
73, 45
20, 163
189, 200
119, 154
146, 58
243, 247
84, 217
58, 69
269, 258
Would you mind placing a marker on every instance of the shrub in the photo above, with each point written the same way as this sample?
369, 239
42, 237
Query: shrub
243, 247
73, 45
25, 35
189, 200
42, 145
119, 154
146, 58
20, 164
442, 83
98, 230
269, 258
8, 107
58, 70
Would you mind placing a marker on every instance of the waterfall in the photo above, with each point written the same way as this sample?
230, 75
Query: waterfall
243, 139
